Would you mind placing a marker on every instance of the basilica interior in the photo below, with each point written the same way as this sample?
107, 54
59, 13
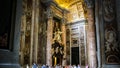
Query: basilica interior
60, 32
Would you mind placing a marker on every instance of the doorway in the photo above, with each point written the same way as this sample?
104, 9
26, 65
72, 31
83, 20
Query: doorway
74, 55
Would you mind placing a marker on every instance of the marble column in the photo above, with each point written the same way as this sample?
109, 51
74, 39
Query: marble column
22, 40
64, 43
49, 37
91, 43
36, 22
97, 21
32, 32
64, 21
91, 40
23, 30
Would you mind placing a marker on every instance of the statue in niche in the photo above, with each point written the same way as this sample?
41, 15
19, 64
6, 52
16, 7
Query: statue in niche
57, 36
57, 45
57, 53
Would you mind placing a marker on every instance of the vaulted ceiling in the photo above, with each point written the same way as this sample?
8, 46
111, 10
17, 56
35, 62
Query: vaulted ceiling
66, 3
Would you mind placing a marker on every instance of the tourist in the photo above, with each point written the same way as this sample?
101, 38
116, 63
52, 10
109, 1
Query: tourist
34, 65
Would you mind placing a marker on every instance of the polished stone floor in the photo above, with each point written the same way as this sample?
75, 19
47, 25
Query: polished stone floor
26, 66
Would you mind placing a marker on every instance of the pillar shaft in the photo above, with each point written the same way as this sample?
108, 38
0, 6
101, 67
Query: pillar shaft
36, 30
22, 40
64, 43
32, 32
91, 45
97, 20
23, 30
49, 41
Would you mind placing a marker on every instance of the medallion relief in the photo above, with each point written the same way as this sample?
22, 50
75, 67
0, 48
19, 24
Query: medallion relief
111, 46
108, 7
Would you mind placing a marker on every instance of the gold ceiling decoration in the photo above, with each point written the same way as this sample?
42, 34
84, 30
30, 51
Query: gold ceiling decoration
65, 3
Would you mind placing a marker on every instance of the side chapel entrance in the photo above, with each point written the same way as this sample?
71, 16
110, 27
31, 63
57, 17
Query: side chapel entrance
76, 43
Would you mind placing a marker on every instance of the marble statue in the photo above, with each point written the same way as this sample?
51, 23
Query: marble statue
57, 36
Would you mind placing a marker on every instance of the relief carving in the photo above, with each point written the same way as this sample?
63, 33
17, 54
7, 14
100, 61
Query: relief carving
111, 46
108, 6
110, 36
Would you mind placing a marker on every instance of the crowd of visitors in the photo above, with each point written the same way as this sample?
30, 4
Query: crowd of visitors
57, 66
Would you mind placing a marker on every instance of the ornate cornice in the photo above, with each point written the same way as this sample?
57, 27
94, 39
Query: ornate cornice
44, 1
47, 2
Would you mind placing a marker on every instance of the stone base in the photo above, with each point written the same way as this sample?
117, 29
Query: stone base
9, 66
110, 66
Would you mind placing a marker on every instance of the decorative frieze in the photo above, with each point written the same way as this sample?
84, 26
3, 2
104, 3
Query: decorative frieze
110, 33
